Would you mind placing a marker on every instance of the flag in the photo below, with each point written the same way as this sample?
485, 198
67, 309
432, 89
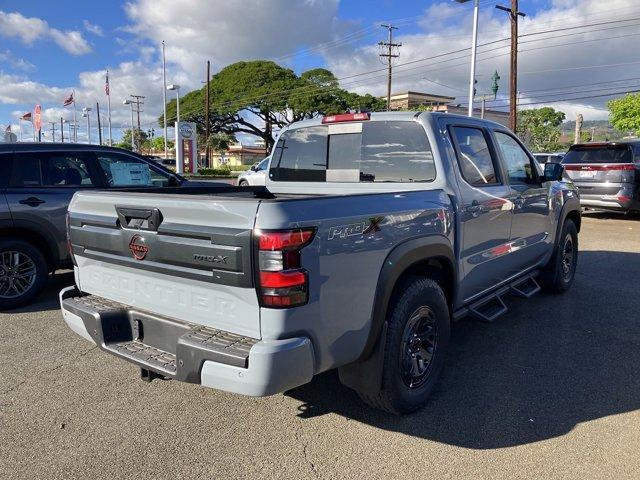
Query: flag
106, 84
68, 101
26, 116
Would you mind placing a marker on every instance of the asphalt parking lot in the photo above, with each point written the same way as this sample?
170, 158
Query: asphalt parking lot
550, 390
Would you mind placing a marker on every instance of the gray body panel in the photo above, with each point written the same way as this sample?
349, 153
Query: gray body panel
490, 235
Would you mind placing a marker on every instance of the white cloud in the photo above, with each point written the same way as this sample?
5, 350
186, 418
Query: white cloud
31, 29
226, 32
17, 63
93, 28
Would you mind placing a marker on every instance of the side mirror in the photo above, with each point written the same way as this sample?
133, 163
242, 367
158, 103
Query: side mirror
553, 172
253, 168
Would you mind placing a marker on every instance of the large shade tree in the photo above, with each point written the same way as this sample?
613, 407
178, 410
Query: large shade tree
253, 97
624, 113
539, 128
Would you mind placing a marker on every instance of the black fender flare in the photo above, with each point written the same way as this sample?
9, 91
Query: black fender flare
365, 374
572, 204
397, 262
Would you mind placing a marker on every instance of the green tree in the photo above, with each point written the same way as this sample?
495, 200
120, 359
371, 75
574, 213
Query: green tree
141, 139
624, 113
253, 97
157, 144
539, 128
219, 142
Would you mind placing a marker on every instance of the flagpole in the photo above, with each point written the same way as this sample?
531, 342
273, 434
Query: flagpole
164, 98
20, 125
109, 108
75, 123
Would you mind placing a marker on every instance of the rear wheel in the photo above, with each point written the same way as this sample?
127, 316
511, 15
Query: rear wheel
559, 274
417, 339
23, 273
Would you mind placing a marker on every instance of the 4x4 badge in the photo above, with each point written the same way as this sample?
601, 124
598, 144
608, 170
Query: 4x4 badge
374, 225
138, 248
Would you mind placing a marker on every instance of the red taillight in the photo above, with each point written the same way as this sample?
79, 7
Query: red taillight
623, 198
287, 278
284, 239
621, 166
282, 281
601, 168
346, 117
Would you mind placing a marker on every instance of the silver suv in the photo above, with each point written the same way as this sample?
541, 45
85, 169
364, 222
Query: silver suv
607, 174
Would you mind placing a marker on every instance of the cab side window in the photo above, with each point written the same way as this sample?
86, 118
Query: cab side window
474, 157
50, 170
129, 171
517, 161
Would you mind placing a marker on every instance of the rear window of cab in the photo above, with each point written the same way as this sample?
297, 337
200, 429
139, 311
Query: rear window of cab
375, 151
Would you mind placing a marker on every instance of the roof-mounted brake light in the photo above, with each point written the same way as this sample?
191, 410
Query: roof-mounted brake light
346, 117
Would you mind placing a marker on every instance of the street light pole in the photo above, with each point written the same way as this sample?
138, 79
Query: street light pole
87, 113
177, 89
133, 139
474, 46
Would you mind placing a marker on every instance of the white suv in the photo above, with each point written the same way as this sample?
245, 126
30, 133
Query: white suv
255, 176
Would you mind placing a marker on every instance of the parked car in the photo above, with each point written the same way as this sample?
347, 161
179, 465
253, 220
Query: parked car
167, 162
256, 175
37, 181
606, 174
373, 233
543, 158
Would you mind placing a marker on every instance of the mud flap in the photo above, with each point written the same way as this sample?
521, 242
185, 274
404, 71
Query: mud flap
366, 376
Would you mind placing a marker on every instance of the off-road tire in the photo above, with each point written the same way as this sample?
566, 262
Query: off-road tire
41, 272
555, 278
395, 396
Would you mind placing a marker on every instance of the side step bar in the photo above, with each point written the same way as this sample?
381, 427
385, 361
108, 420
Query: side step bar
525, 288
489, 308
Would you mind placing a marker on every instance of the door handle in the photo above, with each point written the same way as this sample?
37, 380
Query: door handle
31, 201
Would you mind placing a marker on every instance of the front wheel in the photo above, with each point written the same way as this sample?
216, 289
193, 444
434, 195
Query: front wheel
558, 275
417, 339
23, 273
243, 183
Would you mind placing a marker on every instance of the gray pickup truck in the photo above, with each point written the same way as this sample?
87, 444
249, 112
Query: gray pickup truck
374, 232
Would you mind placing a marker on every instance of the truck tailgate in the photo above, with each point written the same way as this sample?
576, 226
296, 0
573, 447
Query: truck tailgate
187, 257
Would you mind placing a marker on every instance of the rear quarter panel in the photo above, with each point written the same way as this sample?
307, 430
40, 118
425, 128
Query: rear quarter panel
344, 263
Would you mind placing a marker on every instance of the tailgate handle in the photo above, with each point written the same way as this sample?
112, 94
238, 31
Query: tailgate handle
139, 218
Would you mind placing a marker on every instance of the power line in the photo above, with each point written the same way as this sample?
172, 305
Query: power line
361, 74
421, 60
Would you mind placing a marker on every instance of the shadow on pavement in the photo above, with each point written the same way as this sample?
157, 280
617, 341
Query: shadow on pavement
48, 299
551, 363
607, 215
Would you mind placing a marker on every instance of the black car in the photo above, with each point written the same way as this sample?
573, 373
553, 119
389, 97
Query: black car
37, 181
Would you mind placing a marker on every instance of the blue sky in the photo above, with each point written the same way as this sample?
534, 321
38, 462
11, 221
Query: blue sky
48, 48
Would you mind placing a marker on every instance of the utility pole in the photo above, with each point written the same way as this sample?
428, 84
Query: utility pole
137, 101
53, 131
513, 94
62, 129
578, 133
206, 117
99, 124
389, 46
